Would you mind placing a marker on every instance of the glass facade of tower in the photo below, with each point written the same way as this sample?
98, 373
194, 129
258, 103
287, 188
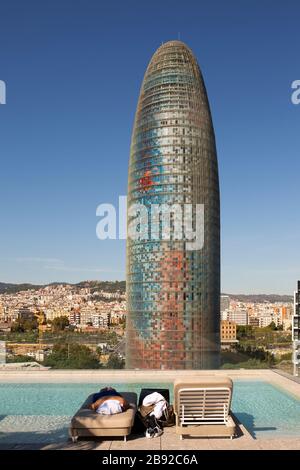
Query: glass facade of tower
173, 294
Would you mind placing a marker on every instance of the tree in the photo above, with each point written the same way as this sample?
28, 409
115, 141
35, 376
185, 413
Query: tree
20, 358
272, 326
72, 356
115, 362
22, 325
30, 325
244, 331
60, 323
98, 351
286, 357
17, 327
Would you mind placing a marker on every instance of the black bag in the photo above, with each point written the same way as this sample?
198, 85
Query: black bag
168, 417
143, 422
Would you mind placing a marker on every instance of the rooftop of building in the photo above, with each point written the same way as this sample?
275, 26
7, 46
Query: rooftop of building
168, 440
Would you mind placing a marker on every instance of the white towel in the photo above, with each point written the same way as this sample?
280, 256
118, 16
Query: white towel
109, 407
159, 401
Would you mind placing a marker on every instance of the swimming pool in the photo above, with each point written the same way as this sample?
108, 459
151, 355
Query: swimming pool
41, 412
265, 410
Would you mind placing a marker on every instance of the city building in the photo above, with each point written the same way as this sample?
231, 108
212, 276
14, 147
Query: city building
74, 317
285, 313
25, 313
173, 285
52, 313
287, 324
265, 320
99, 320
240, 317
253, 321
225, 302
86, 315
228, 333
296, 318
296, 330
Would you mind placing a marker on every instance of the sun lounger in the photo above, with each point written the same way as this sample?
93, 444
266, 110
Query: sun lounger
87, 422
202, 407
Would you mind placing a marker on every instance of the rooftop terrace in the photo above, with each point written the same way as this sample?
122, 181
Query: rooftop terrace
169, 440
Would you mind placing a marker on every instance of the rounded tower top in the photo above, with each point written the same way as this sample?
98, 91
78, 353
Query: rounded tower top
174, 43
174, 55
173, 46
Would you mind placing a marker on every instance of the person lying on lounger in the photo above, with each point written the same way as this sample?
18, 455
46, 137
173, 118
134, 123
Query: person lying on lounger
106, 392
108, 402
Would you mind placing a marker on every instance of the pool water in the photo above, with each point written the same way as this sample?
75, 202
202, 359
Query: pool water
265, 410
41, 412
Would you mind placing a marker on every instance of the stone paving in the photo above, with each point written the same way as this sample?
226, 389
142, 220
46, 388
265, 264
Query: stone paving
168, 441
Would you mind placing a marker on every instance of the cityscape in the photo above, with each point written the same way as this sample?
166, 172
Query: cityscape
95, 315
149, 243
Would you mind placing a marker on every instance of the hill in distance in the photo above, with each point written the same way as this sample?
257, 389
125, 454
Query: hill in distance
113, 286
108, 286
260, 298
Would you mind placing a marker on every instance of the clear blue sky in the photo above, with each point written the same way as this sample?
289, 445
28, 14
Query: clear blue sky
73, 70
